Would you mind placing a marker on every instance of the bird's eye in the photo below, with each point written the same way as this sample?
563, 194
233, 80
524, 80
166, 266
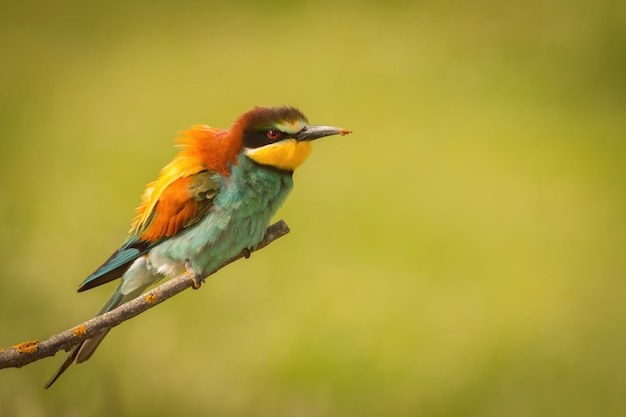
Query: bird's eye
273, 134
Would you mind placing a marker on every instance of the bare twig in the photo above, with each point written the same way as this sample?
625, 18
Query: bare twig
24, 353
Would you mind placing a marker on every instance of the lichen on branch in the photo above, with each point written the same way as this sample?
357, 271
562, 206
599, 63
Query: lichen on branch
24, 353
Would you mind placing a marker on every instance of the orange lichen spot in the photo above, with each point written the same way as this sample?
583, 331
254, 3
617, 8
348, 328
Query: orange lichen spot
345, 132
151, 298
27, 347
79, 331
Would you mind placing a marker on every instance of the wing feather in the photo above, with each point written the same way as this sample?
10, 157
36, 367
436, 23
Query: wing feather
181, 204
179, 198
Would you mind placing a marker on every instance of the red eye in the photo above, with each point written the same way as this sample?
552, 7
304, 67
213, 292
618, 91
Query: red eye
272, 134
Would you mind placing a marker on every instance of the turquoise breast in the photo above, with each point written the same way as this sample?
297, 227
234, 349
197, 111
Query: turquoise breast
241, 212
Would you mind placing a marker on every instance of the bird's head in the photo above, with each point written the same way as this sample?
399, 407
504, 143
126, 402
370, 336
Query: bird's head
280, 137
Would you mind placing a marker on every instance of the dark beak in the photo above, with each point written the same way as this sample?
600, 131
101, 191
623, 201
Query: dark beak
316, 132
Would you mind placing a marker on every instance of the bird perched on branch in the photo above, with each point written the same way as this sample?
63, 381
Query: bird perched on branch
212, 201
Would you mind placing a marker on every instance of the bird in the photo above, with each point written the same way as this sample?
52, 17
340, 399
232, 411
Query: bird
214, 200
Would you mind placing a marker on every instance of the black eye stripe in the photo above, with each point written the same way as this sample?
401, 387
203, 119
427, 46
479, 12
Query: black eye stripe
257, 138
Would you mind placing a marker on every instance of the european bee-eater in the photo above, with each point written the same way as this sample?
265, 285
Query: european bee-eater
211, 202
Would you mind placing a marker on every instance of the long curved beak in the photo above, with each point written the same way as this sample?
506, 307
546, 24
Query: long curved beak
316, 132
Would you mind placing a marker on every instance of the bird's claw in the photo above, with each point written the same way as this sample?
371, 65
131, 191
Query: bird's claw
196, 279
246, 252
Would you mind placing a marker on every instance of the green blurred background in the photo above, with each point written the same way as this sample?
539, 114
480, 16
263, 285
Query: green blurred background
461, 254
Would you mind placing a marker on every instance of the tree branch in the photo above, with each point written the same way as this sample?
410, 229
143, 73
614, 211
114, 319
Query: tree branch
24, 353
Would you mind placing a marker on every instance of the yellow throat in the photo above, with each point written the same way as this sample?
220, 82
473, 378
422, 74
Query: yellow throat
287, 154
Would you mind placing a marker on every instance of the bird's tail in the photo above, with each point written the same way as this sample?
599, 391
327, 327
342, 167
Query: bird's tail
77, 355
83, 351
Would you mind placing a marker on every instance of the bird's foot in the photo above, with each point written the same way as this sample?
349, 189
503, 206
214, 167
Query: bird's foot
246, 252
197, 280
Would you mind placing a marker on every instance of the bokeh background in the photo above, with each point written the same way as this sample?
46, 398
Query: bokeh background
461, 254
